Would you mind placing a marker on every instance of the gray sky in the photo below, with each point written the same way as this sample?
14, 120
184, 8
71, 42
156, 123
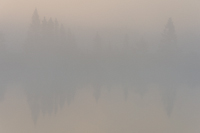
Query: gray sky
143, 14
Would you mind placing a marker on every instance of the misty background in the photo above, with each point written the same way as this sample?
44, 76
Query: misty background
97, 66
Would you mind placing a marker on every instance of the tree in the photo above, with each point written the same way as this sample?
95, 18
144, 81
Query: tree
56, 30
50, 28
44, 28
34, 30
169, 36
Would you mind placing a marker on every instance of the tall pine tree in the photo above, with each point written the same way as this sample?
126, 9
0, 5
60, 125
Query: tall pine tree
169, 36
34, 30
44, 29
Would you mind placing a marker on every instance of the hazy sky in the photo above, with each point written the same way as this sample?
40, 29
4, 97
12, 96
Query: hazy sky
143, 14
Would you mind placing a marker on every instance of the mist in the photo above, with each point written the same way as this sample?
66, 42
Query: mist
99, 66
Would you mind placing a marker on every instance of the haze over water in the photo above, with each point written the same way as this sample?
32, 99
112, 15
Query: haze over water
99, 66
111, 114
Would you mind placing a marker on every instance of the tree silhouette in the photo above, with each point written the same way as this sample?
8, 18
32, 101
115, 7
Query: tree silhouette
44, 29
50, 28
169, 36
34, 31
56, 30
49, 35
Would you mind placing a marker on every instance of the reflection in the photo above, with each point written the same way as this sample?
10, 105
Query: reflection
168, 98
50, 85
52, 82
53, 68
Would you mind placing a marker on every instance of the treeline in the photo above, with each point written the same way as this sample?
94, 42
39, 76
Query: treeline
48, 34
51, 81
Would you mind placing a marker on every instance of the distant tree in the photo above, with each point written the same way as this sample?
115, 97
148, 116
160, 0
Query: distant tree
34, 30
44, 28
48, 34
50, 28
56, 30
169, 38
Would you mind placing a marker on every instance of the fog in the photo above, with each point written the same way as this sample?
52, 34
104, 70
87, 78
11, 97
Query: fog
99, 66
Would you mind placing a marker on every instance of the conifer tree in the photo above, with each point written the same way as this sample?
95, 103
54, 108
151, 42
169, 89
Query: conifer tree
56, 30
34, 31
50, 28
44, 29
169, 36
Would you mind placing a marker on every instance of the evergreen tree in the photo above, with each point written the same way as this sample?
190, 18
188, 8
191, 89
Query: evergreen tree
56, 30
169, 36
50, 28
34, 31
44, 29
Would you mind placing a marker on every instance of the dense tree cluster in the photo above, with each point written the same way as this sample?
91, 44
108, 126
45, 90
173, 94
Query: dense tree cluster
48, 35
